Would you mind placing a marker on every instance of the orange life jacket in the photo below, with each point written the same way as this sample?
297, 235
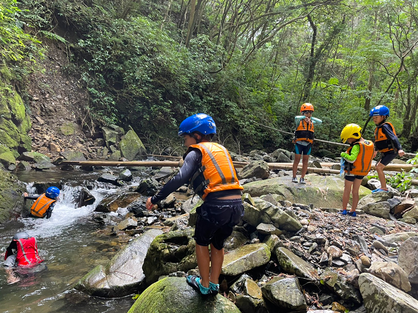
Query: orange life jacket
217, 172
305, 131
41, 205
381, 141
27, 252
361, 166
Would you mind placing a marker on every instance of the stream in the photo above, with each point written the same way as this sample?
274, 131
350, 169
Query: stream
70, 246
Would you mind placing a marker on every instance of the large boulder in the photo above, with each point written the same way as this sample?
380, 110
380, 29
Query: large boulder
321, 191
173, 294
381, 297
123, 275
286, 294
132, 147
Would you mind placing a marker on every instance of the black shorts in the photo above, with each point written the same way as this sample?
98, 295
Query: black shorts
215, 221
387, 157
301, 149
352, 178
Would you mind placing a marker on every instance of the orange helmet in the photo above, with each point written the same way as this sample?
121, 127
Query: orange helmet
306, 107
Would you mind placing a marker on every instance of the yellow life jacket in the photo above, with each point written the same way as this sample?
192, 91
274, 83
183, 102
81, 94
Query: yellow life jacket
41, 205
381, 141
217, 172
305, 131
361, 166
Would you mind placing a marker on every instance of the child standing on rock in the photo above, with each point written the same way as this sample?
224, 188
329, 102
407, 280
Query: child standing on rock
304, 137
358, 160
385, 141
209, 169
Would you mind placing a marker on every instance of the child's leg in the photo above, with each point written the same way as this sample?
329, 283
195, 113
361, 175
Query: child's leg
346, 194
356, 187
202, 256
216, 260
305, 160
296, 163
382, 178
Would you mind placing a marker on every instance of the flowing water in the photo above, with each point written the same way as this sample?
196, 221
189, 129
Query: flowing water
71, 247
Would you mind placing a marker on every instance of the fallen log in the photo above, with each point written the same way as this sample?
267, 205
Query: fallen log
272, 166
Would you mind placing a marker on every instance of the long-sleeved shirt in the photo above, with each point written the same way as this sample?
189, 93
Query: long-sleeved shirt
387, 130
192, 162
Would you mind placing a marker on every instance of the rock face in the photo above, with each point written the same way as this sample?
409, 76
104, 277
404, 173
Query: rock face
123, 275
380, 297
11, 200
329, 187
173, 294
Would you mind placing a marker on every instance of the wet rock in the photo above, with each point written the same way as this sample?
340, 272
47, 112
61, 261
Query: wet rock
236, 240
128, 223
379, 296
173, 294
124, 273
23, 166
125, 175
109, 178
267, 229
148, 187
138, 208
114, 201
85, 197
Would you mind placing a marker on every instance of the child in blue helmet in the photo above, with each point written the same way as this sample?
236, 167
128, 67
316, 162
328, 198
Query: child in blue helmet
385, 141
210, 170
44, 204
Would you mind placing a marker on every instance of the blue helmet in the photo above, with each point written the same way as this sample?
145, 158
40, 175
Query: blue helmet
380, 110
200, 122
52, 192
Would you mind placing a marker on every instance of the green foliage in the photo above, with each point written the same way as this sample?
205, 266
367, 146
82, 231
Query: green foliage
402, 181
15, 44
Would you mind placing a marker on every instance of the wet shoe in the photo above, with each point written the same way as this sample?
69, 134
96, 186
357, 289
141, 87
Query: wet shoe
379, 190
343, 212
302, 180
294, 180
194, 282
353, 214
214, 288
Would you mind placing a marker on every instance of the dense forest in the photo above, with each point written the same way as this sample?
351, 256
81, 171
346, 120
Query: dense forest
248, 63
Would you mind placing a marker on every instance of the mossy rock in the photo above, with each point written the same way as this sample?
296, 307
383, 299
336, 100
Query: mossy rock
7, 158
11, 200
132, 147
173, 294
68, 129
25, 126
8, 140
17, 108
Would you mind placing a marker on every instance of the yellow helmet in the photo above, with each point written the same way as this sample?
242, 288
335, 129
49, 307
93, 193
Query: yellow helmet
350, 131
